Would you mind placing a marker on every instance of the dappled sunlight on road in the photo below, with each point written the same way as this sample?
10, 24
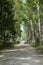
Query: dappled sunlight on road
1, 56
38, 55
28, 58
37, 60
25, 55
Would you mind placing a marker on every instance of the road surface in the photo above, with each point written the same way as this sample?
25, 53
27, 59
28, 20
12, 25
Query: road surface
25, 55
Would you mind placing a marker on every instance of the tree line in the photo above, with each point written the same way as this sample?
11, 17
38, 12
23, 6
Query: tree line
12, 13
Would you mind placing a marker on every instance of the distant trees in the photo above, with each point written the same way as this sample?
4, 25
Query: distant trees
13, 12
33, 16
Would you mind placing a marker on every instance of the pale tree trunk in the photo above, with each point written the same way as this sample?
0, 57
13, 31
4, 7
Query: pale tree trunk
39, 23
33, 37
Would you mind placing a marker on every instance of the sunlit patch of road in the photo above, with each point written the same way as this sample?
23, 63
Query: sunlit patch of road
25, 55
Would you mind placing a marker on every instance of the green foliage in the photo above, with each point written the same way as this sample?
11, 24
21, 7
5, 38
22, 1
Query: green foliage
12, 13
17, 40
6, 21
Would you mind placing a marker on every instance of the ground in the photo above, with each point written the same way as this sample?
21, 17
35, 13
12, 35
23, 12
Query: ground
21, 55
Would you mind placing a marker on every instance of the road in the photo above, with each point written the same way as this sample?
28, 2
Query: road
21, 55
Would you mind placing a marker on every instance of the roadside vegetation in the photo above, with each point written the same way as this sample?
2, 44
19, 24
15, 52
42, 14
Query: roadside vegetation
14, 14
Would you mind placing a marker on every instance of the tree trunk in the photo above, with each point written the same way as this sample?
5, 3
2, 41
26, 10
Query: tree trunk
33, 38
39, 23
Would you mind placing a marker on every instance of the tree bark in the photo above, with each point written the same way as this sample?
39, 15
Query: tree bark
33, 38
39, 23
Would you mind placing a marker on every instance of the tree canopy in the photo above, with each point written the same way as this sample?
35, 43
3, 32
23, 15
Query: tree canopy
14, 12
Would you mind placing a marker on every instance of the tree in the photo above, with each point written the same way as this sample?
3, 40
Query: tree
6, 20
